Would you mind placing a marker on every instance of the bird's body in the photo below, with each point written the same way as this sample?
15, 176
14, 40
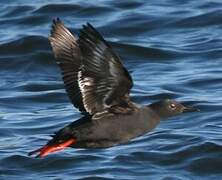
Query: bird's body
110, 130
98, 85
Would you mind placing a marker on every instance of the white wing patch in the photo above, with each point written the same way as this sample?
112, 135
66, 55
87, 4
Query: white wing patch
85, 86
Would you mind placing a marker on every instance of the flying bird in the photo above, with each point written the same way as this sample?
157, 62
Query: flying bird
99, 85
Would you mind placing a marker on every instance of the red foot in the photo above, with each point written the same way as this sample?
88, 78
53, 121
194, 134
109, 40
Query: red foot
47, 149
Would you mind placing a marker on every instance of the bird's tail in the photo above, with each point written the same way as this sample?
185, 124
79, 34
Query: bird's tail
62, 139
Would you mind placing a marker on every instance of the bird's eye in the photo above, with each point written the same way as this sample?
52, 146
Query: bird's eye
172, 106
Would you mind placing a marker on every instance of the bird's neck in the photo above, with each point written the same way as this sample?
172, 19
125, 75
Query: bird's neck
158, 110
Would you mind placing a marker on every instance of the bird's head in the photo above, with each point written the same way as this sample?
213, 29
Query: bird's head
167, 108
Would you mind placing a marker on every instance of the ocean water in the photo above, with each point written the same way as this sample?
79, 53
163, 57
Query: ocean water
173, 49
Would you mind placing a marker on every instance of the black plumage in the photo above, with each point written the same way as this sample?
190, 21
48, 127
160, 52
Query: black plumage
98, 84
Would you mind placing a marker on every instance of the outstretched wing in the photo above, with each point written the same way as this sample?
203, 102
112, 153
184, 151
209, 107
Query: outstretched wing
68, 57
103, 80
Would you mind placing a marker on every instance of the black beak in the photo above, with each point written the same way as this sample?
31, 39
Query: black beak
190, 109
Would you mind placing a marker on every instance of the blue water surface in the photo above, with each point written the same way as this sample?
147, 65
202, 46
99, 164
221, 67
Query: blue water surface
173, 49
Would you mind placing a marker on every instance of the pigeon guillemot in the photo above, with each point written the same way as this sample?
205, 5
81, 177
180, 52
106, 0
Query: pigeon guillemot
98, 85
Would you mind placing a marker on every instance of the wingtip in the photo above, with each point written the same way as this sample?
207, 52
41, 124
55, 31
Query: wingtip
88, 26
91, 26
56, 20
55, 24
84, 26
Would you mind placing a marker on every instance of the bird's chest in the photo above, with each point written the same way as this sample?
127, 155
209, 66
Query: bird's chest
118, 129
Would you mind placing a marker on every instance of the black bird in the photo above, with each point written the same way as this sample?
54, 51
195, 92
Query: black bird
98, 85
